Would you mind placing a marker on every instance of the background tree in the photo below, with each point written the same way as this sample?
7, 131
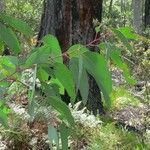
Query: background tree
137, 15
147, 13
71, 21
2, 5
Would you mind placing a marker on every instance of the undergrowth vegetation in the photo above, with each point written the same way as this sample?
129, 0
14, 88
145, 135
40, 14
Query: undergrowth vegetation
33, 80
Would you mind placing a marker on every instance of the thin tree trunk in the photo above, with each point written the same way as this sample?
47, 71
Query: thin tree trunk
71, 21
137, 15
110, 8
2, 5
147, 13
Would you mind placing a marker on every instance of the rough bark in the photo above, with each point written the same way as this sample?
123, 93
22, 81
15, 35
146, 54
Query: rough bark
137, 15
71, 21
147, 13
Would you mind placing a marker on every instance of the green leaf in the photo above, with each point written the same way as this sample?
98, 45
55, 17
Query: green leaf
53, 135
76, 50
4, 111
39, 56
64, 133
57, 82
62, 108
52, 42
50, 90
115, 54
17, 24
7, 66
10, 39
64, 75
97, 67
82, 81
84, 87
123, 39
42, 74
128, 33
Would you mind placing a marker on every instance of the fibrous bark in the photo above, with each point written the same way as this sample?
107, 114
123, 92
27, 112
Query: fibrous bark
71, 21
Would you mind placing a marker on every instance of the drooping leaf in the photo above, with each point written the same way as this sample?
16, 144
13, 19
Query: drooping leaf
52, 42
62, 108
123, 39
17, 24
82, 82
64, 133
115, 54
96, 65
64, 75
31, 95
76, 50
10, 39
53, 135
84, 87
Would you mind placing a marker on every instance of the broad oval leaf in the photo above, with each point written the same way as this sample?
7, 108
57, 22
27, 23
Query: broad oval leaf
10, 39
52, 42
97, 67
63, 74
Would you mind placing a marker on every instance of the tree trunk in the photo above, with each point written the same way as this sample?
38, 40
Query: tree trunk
147, 13
71, 21
2, 5
110, 9
137, 15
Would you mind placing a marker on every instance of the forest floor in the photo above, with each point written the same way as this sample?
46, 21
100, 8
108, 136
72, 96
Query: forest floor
127, 122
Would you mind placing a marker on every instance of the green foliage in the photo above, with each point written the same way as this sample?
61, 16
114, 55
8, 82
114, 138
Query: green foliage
80, 78
7, 35
97, 67
53, 135
47, 61
28, 11
17, 24
123, 39
4, 111
62, 108
64, 76
119, 14
9, 38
